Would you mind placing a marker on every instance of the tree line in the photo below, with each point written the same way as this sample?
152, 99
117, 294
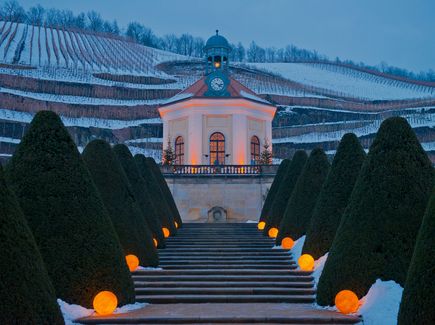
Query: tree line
185, 44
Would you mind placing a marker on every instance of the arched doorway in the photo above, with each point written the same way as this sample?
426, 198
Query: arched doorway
217, 149
255, 149
179, 151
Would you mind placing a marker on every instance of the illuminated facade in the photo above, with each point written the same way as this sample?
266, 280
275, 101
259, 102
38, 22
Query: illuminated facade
217, 120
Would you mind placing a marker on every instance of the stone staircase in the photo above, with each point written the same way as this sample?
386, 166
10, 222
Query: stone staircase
224, 273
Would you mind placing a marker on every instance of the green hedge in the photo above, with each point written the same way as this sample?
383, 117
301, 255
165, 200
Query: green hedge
165, 190
376, 236
118, 197
26, 293
282, 169
286, 187
141, 192
418, 299
334, 196
162, 208
70, 224
301, 204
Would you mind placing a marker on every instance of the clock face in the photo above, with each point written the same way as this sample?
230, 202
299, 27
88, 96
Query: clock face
217, 84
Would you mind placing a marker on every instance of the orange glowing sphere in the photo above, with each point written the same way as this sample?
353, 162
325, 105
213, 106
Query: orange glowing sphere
176, 224
132, 262
105, 303
166, 232
346, 302
156, 243
287, 243
306, 262
273, 232
261, 225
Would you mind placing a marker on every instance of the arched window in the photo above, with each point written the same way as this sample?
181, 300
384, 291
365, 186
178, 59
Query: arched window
179, 151
217, 149
255, 149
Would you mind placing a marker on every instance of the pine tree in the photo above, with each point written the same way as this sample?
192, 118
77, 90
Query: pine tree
282, 169
165, 190
169, 155
285, 189
142, 195
334, 196
266, 154
118, 197
67, 216
156, 194
418, 300
301, 204
376, 236
26, 292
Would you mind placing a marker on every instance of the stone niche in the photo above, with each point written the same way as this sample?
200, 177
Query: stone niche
218, 199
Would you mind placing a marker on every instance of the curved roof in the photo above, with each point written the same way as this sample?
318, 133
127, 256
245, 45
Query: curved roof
217, 41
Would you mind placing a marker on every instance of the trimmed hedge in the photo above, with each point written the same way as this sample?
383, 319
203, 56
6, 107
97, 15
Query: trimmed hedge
162, 208
418, 299
26, 293
285, 190
301, 204
118, 197
165, 190
334, 196
378, 230
141, 192
282, 169
70, 224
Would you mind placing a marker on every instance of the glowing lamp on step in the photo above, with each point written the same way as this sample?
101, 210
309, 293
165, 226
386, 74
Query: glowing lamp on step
105, 303
261, 225
132, 262
306, 262
346, 302
273, 232
156, 243
176, 224
287, 243
166, 232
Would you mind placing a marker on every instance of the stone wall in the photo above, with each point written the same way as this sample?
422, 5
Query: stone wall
223, 198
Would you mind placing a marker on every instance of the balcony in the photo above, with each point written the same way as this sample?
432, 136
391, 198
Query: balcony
219, 170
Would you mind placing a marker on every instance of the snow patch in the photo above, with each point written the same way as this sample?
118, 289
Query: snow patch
251, 221
148, 268
297, 248
318, 268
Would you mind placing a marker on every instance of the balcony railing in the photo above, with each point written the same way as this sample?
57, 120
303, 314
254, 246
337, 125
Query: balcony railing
218, 170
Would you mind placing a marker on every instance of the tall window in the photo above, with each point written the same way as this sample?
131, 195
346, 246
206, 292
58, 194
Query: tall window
255, 149
179, 151
217, 149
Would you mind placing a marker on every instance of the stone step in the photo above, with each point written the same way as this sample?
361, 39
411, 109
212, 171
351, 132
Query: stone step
182, 256
276, 262
214, 246
224, 278
200, 291
220, 258
220, 271
178, 299
219, 267
220, 284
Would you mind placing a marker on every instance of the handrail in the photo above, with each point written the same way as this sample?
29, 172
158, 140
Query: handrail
217, 169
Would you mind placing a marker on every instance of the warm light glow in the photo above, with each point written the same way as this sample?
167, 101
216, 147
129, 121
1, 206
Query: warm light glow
176, 224
217, 64
273, 232
261, 225
287, 243
306, 262
166, 232
156, 243
132, 262
346, 302
105, 303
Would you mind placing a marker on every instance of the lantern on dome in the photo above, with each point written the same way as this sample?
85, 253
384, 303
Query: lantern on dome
346, 302
306, 262
105, 303
261, 225
287, 243
132, 262
166, 232
273, 232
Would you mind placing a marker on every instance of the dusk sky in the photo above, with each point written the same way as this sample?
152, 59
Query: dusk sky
399, 32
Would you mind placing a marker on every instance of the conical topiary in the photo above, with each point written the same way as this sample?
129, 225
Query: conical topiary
301, 204
63, 208
142, 194
26, 292
117, 194
418, 299
376, 236
334, 196
162, 209
165, 190
285, 190
282, 169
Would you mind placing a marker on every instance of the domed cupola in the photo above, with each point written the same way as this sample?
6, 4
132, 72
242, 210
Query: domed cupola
217, 50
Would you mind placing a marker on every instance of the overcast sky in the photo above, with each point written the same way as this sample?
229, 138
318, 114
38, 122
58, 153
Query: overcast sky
400, 32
